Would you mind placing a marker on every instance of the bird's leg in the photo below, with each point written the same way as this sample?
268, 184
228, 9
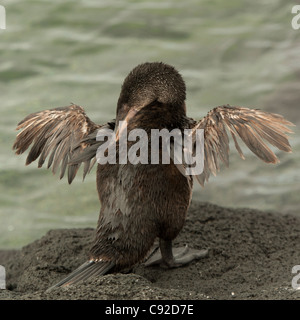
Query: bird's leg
177, 257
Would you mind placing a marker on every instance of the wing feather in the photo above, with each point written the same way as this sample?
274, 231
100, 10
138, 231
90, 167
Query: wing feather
254, 127
61, 134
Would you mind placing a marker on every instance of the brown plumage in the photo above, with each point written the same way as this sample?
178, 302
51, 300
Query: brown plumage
57, 134
140, 202
251, 125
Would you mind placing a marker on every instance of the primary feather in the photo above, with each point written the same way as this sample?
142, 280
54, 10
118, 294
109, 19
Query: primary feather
65, 135
253, 126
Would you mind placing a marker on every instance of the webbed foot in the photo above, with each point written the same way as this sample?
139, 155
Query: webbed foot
176, 257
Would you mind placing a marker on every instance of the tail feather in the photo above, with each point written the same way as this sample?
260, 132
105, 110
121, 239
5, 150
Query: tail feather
85, 271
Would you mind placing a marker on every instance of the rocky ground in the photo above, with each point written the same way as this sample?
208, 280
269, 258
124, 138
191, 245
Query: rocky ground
251, 256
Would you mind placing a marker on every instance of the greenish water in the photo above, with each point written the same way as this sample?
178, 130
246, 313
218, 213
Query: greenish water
56, 52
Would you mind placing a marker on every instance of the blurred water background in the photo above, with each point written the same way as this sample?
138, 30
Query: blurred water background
59, 51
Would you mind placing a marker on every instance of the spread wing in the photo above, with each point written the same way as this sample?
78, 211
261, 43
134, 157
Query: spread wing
62, 135
253, 126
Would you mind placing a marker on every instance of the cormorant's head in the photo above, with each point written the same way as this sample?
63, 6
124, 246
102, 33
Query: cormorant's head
152, 84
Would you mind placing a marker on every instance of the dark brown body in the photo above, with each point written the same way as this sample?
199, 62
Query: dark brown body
138, 204
144, 201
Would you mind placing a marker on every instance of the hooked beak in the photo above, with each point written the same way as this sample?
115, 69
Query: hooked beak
131, 113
